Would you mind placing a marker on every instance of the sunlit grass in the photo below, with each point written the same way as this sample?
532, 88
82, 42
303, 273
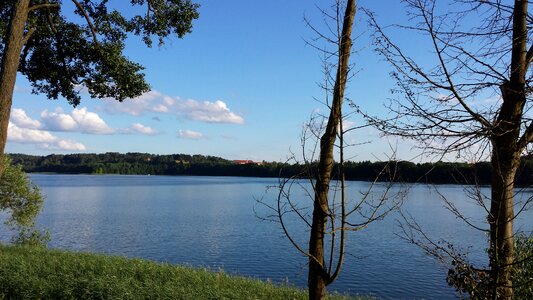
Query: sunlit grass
33, 273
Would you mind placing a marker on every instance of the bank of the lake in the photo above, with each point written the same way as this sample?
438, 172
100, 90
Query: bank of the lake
34, 273
199, 165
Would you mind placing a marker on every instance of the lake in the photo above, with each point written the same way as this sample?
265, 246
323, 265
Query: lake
211, 222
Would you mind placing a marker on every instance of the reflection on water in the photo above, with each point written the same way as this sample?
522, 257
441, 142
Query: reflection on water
210, 222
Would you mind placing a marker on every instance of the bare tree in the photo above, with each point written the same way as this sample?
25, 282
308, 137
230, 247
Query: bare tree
480, 51
319, 276
331, 215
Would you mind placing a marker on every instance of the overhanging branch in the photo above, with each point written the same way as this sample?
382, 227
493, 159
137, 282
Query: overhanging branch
44, 5
88, 19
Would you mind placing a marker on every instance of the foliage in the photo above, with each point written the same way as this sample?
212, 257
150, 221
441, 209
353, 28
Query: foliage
86, 49
31, 273
475, 283
24, 201
184, 164
144, 163
468, 280
523, 271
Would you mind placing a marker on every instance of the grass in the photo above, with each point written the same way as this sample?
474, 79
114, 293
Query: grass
34, 273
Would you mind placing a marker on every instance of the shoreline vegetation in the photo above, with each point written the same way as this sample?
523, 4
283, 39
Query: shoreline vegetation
33, 272
200, 165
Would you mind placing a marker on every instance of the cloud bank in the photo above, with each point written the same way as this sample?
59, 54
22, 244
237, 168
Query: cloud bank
156, 102
41, 138
25, 130
21, 119
79, 120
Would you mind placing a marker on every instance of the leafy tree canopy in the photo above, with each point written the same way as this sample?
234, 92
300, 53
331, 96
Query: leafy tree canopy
23, 201
62, 54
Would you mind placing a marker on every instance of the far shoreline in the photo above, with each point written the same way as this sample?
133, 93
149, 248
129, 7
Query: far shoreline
461, 173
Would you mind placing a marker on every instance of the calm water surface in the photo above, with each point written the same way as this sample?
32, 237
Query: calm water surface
211, 222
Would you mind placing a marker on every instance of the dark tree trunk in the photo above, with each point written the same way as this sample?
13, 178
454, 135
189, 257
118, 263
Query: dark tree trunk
505, 161
506, 153
501, 228
318, 275
14, 41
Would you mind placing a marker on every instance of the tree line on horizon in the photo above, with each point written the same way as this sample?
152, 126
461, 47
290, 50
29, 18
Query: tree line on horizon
200, 165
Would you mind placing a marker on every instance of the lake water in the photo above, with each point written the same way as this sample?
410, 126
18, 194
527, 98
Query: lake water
211, 222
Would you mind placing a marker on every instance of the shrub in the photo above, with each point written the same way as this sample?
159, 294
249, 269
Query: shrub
477, 284
23, 200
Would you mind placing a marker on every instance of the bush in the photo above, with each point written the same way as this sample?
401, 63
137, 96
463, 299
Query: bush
468, 280
523, 273
24, 201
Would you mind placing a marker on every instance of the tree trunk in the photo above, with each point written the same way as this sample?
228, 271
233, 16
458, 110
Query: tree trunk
501, 216
14, 41
505, 159
318, 276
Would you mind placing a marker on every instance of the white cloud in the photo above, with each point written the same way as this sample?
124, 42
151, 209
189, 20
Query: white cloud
25, 135
190, 134
67, 145
140, 128
23, 129
43, 139
210, 112
58, 121
160, 108
90, 122
155, 102
21, 119
79, 120
348, 124
147, 102
168, 101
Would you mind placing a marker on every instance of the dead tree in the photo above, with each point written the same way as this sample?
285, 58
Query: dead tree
330, 215
318, 274
480, 51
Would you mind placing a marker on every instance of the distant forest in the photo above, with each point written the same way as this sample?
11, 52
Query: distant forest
184, 164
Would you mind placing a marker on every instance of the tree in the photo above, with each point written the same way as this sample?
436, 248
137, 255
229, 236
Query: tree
319, 276
58, 55
480, 50
23, 200
331, 215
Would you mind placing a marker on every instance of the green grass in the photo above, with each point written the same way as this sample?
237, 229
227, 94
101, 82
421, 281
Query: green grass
33, 273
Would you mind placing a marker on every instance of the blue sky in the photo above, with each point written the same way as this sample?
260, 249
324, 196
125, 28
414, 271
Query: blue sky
240, 86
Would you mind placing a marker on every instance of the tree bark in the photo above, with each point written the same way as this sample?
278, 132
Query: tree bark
505, 161
14, 41
506, 153
501, 230
318, 276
